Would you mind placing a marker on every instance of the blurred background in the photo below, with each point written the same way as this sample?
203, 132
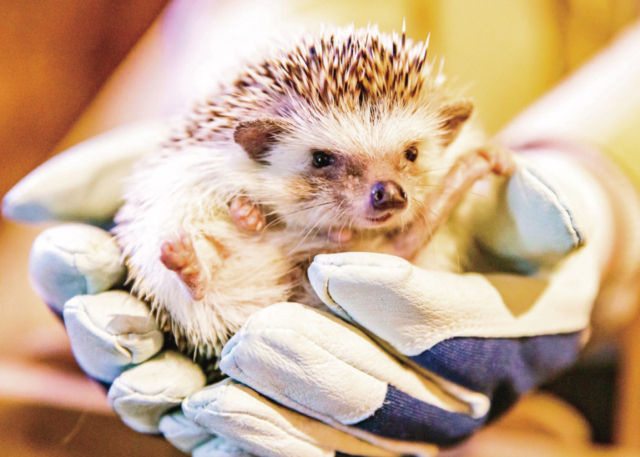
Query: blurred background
71, 70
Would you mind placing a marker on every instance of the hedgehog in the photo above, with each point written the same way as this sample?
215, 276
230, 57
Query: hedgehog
346, 140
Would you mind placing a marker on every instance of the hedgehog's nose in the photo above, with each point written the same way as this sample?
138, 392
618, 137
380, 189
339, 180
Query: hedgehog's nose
387, 195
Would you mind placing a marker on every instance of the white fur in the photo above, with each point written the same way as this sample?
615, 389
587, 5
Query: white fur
183, 192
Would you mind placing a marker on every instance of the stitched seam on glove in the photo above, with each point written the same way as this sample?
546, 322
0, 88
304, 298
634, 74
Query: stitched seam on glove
342, 310
116, 345
159, 395
292, 402
74, 265
136, 334
579, 239
464, 407
385, 265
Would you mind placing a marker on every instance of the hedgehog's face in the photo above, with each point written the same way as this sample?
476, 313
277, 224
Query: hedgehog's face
369, 170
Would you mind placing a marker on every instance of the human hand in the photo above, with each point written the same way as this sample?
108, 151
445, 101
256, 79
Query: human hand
309, 361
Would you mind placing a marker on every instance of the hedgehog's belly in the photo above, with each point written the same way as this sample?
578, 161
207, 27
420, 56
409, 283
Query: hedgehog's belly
248, 274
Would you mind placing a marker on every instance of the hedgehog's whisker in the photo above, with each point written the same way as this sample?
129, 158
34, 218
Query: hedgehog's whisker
279, 218
442, 186
425, 208
318, 222
431, 170
340, 212
308, 232
422, 211
342, 227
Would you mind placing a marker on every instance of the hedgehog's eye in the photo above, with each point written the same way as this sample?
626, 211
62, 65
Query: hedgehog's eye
322, 159
411, 154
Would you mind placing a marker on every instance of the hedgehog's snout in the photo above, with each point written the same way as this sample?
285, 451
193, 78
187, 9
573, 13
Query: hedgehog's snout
388, 195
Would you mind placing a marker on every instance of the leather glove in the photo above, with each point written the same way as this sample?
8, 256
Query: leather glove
416, 359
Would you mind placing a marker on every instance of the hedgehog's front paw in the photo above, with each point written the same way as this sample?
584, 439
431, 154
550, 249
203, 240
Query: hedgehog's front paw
179, 255
500, 160
247, 216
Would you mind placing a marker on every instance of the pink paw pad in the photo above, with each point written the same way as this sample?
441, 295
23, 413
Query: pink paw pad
501, 160
246, 216
179, 255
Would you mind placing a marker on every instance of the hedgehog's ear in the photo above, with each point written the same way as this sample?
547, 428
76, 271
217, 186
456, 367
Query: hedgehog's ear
453, 115
258, 136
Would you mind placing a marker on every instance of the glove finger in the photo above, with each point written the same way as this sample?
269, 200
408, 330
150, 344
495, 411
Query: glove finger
193, 439
219, 447
414, 309
531, 225
85, 182
109, 332
146, 392
74, 259
266, 429
322, 367
183, 433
